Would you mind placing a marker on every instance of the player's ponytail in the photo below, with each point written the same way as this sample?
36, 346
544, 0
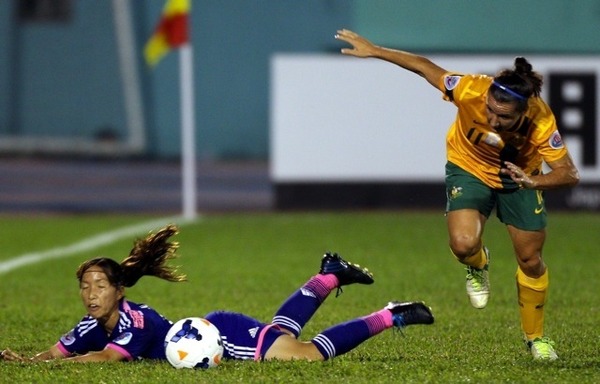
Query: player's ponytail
517, 84
534, 79
149, 257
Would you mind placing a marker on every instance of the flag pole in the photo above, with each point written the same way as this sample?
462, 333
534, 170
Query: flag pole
188, 141
172, 32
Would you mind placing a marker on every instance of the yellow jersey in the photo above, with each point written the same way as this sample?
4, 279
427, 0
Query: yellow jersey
477, 148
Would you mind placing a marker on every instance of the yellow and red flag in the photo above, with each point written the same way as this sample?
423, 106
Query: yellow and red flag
171, 31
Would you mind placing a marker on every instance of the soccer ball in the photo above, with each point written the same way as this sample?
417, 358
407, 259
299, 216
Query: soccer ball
193, 342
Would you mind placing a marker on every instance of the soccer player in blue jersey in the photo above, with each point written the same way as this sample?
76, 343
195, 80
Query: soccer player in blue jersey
247, 338
117, 329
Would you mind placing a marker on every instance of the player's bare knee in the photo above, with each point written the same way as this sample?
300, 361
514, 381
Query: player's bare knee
464, 246
532, 266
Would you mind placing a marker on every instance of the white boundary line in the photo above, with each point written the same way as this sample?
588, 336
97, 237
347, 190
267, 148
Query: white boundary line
86, 244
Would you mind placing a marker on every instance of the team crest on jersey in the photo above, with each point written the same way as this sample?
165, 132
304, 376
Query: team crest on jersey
455, 192
68, 338
556, 141
450, 82
123, 338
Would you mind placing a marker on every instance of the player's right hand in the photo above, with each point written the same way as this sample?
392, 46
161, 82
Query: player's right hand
8, 355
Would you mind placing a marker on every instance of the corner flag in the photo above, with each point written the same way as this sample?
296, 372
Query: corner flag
170, 32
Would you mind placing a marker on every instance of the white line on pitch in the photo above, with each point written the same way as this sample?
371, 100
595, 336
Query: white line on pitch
86, 244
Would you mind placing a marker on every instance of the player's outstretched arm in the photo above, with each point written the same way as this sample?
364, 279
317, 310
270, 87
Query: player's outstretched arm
420, 65
106, 354
54, 353
50, 354
9, 355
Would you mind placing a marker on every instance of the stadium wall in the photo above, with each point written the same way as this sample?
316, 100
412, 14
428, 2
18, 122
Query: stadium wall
363, 133
63, 79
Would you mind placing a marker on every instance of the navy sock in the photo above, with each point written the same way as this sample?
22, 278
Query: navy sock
303, 303
344, 337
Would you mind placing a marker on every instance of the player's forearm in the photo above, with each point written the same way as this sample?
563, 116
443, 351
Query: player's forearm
558, 178
420, 65
87, 358
46, 355
404, 59
52, 353
106, 354
9, 355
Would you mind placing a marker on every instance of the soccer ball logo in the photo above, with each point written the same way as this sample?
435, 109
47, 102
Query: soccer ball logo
193, 342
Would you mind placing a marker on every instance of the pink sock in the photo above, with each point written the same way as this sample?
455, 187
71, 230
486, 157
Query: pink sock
379, 321
329, 280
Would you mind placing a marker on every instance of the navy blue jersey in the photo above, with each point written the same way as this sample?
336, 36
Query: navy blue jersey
139, 333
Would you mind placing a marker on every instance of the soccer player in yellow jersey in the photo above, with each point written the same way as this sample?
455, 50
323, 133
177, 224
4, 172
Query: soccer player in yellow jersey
502, 134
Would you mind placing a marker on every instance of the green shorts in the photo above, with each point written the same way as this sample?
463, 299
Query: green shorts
521, 208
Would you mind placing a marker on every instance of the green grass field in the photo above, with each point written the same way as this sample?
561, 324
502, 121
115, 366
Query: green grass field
251, 263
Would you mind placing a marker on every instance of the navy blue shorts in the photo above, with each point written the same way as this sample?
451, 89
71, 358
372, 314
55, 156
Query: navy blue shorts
244, 337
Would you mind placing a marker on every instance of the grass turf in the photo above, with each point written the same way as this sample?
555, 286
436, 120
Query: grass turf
251, 263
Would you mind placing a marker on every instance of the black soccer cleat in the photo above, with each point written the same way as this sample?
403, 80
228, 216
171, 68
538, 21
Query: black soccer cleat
346, 272
409, 313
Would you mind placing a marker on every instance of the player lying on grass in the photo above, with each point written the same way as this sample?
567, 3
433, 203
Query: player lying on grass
117, 329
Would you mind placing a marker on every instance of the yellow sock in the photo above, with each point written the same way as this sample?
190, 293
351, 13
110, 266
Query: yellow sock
477, 260
532, 295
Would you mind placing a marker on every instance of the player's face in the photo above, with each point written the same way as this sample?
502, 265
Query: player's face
501, 116
100, 298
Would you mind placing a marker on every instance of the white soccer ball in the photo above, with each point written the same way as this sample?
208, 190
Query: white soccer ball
193, 342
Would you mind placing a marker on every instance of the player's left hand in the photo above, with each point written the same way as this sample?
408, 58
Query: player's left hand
361, 47
517, 175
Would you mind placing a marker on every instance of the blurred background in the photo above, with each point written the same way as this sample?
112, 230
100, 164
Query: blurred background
87, 126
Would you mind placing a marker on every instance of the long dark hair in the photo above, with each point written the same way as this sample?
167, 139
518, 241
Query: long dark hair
148, 257
517, 84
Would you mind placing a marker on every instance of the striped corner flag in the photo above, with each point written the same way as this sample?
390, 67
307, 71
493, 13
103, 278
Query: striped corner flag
171, 31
